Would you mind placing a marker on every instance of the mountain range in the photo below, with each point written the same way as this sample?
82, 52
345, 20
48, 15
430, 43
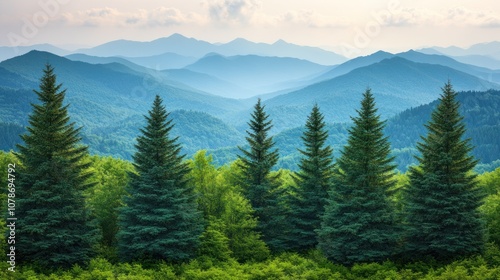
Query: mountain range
483, 54
157, 54
211, 95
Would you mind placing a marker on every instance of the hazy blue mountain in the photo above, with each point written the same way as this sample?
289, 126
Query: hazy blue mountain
479, 60
207, 83
120, 64
451, 51
163, 61
175, 43
109, 92
203, 82
491, 49
180, 78
352, 64
397, 83
257, 73
431, 51
280, 48
10, 52
433, 58
282, 70
190, 47
104, 60
481, 72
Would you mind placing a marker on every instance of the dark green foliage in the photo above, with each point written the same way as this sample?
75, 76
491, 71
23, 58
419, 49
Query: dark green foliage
314, 180
359, 224
160, 219
258, 161
53, 229
259, 186
442, 198
480, 112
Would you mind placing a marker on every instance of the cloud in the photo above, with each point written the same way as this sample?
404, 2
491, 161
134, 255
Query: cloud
110, 17
309, 18
453, 17
473, 18
232, 11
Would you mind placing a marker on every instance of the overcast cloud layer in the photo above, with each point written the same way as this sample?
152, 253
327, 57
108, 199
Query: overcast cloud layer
348, 27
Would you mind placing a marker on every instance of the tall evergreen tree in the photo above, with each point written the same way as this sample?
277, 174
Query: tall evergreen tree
359, 223
442, 198
53, 227
313, 180
160, 219
259, 186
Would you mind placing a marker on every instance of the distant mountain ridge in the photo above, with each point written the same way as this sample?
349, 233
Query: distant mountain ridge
10, 52
482, 54
191, 47
280, 48
491, 49
145, 53
149, 53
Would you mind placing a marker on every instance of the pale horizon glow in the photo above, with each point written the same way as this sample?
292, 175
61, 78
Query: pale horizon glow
350, 28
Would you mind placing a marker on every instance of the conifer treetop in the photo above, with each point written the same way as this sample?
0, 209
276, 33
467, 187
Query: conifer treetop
56, 229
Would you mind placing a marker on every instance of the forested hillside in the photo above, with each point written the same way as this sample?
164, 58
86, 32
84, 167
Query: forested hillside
202, 131
481, 116
242, 220
481, 111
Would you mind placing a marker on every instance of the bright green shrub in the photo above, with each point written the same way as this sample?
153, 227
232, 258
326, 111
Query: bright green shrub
387, 270
492, 255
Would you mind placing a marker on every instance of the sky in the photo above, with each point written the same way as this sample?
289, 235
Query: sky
349, 27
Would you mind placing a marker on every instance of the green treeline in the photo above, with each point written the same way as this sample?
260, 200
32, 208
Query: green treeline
163, 216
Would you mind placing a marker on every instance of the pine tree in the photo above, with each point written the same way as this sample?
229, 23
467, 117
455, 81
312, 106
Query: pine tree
359, 224
53, 227
442, 198
259, 186
160, 219
314, 180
